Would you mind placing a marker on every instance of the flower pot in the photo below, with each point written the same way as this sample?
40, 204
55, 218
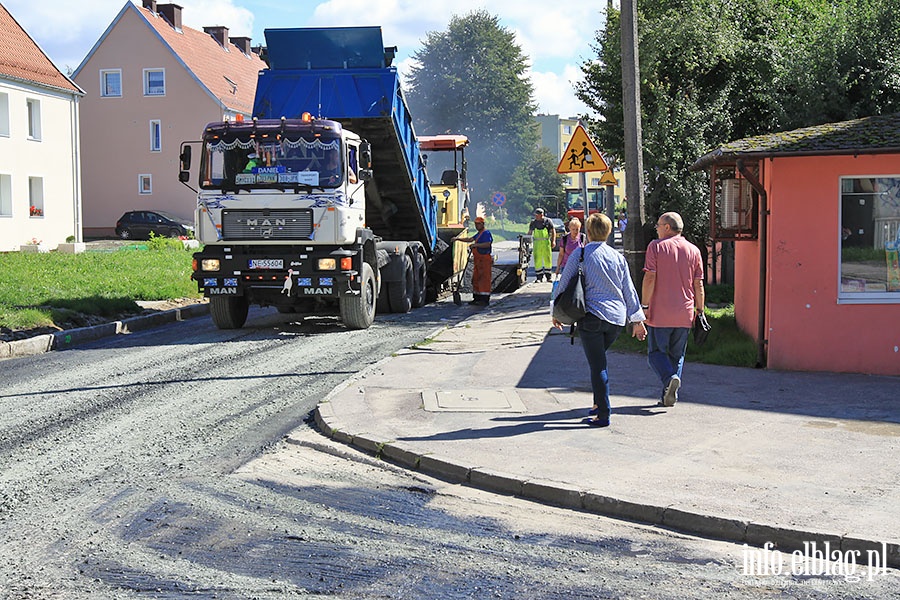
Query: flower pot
36, 248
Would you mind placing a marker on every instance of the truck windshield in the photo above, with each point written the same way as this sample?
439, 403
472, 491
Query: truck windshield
271, 162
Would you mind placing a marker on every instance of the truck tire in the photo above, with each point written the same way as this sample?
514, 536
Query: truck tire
358, 311
229, 312
421, 281
400, 292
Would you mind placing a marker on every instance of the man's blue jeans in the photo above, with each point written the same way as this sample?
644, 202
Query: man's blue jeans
665, 350
597, 336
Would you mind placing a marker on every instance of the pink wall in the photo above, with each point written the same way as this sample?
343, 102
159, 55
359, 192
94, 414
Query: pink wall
115, 132
807, 329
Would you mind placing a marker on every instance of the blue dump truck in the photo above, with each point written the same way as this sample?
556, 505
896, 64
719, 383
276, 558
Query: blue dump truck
320, 203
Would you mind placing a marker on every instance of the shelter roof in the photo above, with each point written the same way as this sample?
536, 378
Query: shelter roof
868, 135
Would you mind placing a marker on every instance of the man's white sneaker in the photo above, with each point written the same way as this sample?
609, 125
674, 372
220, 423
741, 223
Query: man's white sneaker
670, 396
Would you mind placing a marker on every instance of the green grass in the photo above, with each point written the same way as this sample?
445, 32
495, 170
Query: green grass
854, 254
46, 289
503, 230
726, 344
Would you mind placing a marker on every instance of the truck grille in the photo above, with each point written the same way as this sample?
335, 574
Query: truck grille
268, 224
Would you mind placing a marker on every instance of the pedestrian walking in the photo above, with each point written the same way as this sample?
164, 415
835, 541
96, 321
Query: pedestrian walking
574, 239
611, 301
483, 263
672, 295
544, 235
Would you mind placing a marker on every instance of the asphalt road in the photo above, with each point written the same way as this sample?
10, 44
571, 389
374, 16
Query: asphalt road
154, 465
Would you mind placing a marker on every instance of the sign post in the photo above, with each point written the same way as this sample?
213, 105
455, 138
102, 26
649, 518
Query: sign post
499, 199
582, 156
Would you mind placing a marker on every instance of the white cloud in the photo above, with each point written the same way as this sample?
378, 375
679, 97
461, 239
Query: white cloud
555, 92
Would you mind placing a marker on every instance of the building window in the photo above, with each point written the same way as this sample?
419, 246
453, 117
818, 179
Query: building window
154, 82
145, 184
870, 239
4, 115
36, 196
34, 119
595, 181
5, 196
567, 130
155, 136
111, 83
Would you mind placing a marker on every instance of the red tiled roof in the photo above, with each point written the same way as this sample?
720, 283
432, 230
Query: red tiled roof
21, 58
211, 64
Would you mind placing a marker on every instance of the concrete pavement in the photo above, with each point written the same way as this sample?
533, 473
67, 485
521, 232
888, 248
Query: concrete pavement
746, 455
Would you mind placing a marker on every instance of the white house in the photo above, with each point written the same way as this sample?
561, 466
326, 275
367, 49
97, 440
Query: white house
40, 170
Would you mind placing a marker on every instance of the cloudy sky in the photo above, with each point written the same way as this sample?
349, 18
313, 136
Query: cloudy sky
558, 39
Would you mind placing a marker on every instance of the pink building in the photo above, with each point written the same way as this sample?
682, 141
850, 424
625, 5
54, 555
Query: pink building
815, 214
152, 83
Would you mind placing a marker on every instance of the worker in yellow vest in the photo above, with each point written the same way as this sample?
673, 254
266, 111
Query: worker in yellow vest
544, 236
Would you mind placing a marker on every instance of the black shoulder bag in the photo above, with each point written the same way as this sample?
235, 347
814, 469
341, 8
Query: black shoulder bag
569, 305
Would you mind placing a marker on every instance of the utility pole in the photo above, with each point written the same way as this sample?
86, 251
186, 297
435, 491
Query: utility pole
633, 240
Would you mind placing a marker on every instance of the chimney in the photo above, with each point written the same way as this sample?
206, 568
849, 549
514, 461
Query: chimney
150, 5
243, 43
219, 32
172, 13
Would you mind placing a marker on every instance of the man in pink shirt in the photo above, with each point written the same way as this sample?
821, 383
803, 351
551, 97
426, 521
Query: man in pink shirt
673, 295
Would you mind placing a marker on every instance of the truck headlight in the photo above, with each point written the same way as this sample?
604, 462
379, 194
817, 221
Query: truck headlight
327, 264
209, 264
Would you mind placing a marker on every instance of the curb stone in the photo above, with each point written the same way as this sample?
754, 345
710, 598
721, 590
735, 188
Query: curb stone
551, 493
69, 338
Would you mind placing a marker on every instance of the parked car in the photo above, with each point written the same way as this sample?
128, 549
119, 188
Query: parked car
560, 227
139, 224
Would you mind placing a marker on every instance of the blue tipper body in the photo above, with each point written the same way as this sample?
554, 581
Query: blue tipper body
345, 74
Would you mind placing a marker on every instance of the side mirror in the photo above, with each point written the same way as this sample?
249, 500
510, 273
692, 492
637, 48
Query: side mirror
365, 174
184, 176
365, 156
185, 160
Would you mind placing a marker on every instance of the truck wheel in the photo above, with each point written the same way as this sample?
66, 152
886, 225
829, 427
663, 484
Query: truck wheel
358, 312
421, 282
400, 292
229, 312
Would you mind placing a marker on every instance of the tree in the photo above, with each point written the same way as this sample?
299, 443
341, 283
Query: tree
534, 183
713, 71
471, 80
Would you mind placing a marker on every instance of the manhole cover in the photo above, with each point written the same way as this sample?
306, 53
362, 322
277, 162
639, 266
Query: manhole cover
471, 400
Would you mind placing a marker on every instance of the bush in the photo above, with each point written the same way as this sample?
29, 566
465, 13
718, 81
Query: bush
158, 243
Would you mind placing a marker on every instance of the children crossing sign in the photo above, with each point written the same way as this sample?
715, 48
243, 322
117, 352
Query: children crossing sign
581, 155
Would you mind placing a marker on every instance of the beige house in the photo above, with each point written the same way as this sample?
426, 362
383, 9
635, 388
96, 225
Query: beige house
40, 196
150, 84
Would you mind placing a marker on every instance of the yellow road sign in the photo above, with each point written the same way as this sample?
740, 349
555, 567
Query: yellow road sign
581, 155
608, 179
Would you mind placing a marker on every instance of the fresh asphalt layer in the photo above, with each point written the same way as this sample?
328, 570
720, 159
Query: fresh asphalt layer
497, 402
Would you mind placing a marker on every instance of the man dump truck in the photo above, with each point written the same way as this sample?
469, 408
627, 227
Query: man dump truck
321, 202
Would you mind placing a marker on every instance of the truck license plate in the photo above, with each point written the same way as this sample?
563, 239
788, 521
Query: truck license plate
266, 263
